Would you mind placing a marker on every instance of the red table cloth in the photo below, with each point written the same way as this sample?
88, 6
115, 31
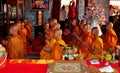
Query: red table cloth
39, 66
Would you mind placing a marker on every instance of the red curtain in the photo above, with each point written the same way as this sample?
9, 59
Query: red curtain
56, 9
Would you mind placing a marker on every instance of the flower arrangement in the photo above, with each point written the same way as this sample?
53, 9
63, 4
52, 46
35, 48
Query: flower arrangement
95, 11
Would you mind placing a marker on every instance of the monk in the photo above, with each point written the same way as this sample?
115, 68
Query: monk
57, 51
23, 31
86, 40
56, 27
52, 22
110, 38
75, 29
97, 44
46, 51
16, 47
28, 27
46, 28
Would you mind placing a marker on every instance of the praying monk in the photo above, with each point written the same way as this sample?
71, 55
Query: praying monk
75, 29
28, 26
15, 46
110, 38
95, 48
23, 31
52, 22
46, 51
86, 40
97, 44
57, 51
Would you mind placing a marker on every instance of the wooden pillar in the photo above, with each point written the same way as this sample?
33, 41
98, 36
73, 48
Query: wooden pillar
56, 9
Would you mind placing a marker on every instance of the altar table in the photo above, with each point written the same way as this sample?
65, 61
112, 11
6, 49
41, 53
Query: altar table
39, 66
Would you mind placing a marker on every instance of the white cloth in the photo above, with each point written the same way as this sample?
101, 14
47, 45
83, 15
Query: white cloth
95, 23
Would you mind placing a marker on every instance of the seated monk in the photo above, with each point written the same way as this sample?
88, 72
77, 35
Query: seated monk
52, 22
16, 47
45, 53
82, 23
86, 40
23, 31
56, 27
110, 38
57, 51
28, 27
97, 44
75, 29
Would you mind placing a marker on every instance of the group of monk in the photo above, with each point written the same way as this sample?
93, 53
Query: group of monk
89, 43
52, 48
19, 36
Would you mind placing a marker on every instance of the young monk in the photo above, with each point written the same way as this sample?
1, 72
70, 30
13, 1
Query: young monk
56, 27
23, 31
97, 44
86, 40
82, 23
16, 47
46, 28
95, 49
46, 51
110, 38
52, 22
56, 53
28, 27
74, 29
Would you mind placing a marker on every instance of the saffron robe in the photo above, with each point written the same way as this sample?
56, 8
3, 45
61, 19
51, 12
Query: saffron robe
73, 40
23, 34
110, 40
57, 51
97, 43
44, 54
16, 48
87, 38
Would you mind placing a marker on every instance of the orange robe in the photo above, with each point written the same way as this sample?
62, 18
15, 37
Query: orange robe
73, 40
51, 33
29, 32
16, 48
56, 53
87, 38
23, 34
110, 39
97, 43
43, 53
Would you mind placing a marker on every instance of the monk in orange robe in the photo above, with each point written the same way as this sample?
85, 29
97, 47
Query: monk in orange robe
22, 31
110, 38
93, 49
52, 23
28, 27
96, 45
74, 29
16, 47
86, 40
45, 53
57, 51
